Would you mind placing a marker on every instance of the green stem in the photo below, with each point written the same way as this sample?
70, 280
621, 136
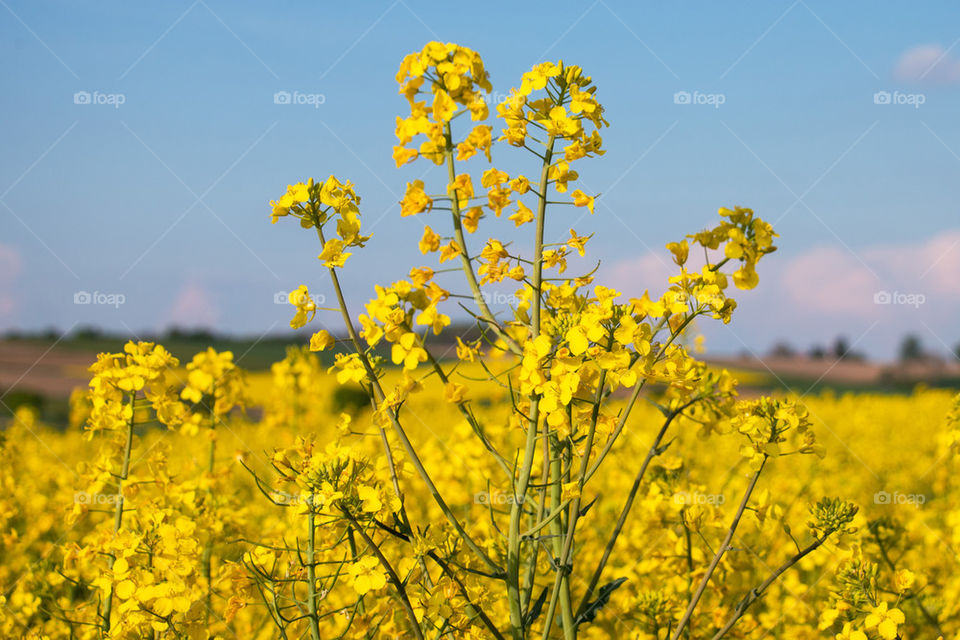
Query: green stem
207, 558
565, 555
391, 575
689, 549
628, 505
542, 520
637, 388
380, 396
118, 510
519, 495
312, 574
757, 591
932, 619
513, 535
538, 246
561, 550
485, 312
688, 614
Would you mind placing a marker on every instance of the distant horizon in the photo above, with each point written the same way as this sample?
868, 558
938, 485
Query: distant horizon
302, 336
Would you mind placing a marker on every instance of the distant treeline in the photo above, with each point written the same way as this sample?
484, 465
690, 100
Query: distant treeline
911, 349
250, 351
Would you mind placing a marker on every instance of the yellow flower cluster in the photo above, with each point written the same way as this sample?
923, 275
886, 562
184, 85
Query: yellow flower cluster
876, 576
448, 77
214, 381
314, 204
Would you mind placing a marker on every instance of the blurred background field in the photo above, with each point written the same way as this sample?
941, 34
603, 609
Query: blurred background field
42, 369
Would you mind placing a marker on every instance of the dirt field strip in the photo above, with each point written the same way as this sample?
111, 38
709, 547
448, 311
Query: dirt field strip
53, 372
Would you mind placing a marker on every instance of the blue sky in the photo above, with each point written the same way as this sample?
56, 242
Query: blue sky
163, 199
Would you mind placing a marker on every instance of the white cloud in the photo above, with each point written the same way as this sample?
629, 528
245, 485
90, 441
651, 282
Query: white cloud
194, 307
814, 295
828, 285
633, 276
933, 265
928, 64
10, 265
828, 280
8, 304
835, 281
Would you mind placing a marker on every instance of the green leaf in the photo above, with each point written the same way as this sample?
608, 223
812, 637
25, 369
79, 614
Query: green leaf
535, 610
603, 597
